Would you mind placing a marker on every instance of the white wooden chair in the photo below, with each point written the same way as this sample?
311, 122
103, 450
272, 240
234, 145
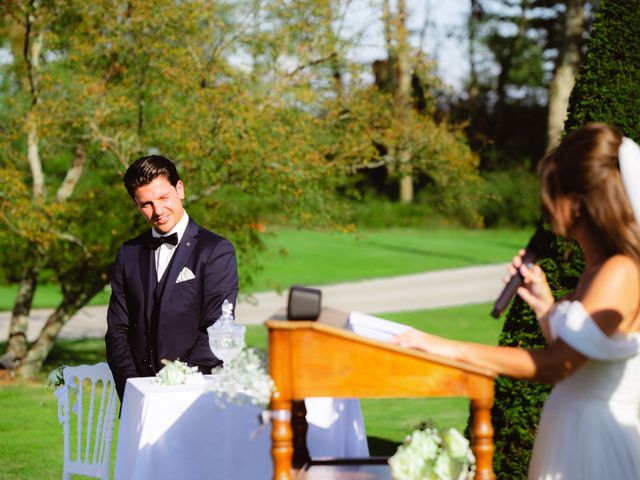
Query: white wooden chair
89, 442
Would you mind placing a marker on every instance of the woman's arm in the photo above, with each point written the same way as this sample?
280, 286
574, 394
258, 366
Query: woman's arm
547, 365
610, 297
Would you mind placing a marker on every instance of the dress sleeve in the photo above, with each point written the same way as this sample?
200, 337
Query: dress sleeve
574, 326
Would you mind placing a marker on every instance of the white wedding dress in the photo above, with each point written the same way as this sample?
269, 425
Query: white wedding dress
589, 428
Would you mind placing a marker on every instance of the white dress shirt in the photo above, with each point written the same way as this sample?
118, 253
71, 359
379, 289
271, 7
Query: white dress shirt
165, 251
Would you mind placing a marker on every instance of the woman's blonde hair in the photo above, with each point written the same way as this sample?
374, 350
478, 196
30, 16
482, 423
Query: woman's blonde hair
585, 166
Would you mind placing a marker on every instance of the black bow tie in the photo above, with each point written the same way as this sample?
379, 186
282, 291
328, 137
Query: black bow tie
155, 242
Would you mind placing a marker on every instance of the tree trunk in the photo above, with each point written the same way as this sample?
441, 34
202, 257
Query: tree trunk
475, 15
33, 156
73, 175
506, 62
17, 343
403, 101
32, 51
564, 78
33, 360
406, 188
70, 304
19, 356
333, 52
387, 20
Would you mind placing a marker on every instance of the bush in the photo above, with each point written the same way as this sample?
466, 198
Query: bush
518, 404
375, 213
608, 87
510, 198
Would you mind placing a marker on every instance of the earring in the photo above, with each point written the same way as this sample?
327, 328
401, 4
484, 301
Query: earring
576, 211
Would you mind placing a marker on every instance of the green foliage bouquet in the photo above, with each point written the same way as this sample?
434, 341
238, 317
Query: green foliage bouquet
56, 377
428, 455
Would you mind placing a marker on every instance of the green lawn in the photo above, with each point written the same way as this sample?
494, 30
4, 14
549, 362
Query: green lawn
31, 445
31, 438
305, 257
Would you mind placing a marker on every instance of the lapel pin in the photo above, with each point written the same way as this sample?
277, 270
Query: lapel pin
188, 244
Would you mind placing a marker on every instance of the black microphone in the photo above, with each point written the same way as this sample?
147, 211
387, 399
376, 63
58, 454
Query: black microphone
537, 243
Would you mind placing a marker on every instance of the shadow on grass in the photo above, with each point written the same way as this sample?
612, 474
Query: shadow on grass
423, 252
381, 447
77, 352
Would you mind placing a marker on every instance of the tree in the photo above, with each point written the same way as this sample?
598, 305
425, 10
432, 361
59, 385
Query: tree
606, 90
254, 100
417, 146
567, 65
535, 47
399, 55
103, 82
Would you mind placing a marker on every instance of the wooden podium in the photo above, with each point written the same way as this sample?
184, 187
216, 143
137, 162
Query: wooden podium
322, 359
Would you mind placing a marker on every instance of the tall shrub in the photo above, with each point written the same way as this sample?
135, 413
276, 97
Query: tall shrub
607, 90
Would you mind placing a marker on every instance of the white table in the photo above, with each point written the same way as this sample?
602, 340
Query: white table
185, 432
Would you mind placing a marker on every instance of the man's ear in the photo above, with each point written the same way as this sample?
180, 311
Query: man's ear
180, 189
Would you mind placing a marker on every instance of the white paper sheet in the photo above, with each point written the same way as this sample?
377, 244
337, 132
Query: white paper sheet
375, 328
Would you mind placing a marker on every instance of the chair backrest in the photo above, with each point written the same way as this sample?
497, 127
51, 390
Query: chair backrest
87, 446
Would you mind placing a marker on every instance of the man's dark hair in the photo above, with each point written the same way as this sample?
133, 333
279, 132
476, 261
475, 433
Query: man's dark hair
146, 169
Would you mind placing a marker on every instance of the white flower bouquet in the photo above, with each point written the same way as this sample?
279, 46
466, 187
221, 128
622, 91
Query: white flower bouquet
245, 380
428, 455
176, 373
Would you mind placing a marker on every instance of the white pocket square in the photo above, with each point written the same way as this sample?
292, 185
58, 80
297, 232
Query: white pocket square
185, 275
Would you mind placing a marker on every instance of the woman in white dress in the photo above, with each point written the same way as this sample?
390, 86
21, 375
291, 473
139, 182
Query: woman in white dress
589, 429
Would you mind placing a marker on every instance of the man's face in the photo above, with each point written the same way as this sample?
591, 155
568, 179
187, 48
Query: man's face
160, 203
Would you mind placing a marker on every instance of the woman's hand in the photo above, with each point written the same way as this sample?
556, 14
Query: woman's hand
535, 289
426, 342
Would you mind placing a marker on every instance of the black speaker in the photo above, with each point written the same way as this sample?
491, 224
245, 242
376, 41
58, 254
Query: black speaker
304, 303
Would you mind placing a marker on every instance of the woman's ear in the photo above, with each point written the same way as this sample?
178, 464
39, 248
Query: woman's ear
576, 208
567, 211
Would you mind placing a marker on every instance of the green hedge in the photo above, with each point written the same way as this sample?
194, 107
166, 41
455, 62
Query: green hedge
607, 90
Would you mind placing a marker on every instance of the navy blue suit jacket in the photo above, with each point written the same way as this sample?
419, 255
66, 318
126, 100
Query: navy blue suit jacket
135, 341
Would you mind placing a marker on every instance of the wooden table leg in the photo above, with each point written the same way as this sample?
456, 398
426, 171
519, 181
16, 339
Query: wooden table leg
482, 438
282, 438
300, 428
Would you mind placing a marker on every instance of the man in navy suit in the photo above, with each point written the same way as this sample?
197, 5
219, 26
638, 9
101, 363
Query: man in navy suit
168, 283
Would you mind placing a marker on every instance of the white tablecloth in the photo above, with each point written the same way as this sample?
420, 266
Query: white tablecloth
184, 432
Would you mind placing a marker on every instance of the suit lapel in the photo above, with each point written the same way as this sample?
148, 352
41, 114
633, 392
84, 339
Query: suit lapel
180, 257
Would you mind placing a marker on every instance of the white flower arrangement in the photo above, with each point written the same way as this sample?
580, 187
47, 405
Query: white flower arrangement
176, 373
428, 455
244, 380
